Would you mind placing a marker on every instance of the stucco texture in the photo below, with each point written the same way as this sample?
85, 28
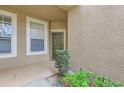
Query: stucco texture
96, 39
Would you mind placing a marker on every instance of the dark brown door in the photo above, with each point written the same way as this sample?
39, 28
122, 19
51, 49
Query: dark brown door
57, 42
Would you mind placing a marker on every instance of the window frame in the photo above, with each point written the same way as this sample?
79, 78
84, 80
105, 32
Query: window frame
28, 39
13, 36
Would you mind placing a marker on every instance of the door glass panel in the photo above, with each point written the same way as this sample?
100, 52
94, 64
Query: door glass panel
57, 42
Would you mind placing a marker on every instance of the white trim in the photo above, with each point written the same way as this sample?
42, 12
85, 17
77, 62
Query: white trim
13, 37
60, 30
28, 52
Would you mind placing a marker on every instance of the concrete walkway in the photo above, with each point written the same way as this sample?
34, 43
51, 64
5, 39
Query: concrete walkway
22, 75
38, 83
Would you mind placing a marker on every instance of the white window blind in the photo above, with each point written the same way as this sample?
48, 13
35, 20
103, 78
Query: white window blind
37, 36
8, 23
5, 34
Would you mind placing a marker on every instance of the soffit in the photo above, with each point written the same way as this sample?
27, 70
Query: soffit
49, 12
66, 7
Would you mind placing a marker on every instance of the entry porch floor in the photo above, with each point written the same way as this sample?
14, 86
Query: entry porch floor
24, 75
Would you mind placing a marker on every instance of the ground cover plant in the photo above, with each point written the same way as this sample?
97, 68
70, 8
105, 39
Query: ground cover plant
87, 79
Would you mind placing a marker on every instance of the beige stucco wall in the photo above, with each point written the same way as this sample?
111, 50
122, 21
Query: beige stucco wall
96, 39
58, 24
21, 58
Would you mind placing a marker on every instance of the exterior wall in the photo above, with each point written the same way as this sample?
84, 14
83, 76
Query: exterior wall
96, 39
21, 58
58, 24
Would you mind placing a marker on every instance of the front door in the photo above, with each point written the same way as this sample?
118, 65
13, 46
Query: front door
57, 42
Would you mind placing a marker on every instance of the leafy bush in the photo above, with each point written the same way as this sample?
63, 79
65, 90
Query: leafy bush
79, 79
102, 81
87, 79
62, 60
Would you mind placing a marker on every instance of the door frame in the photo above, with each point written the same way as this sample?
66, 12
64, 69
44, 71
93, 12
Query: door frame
60, 30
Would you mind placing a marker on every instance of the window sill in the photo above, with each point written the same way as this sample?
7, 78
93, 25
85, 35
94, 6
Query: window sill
7, 55
36, 53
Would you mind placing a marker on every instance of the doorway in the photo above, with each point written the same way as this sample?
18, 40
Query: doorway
58, 40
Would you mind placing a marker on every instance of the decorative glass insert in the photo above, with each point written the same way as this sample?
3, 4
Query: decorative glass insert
36, 37
5, 34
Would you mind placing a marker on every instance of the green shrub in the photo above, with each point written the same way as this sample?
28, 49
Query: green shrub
116, 84
102, 81
79, 79
87, 79
62, 60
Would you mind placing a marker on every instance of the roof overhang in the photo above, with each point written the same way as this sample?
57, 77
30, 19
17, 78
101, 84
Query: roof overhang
66, 7
47, 12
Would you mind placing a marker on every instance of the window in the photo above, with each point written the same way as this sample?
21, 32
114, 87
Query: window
36, 36
7, 34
